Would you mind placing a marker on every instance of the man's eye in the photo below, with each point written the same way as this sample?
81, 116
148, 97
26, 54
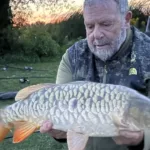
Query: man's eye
90, 27
106, 25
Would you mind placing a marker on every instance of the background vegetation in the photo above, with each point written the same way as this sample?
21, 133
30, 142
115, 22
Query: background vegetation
41, 42
32, 43
40, 46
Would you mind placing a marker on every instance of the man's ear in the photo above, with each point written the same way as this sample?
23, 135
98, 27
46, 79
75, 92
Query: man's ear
128, 17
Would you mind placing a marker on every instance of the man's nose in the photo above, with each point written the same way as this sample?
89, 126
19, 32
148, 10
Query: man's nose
98, 33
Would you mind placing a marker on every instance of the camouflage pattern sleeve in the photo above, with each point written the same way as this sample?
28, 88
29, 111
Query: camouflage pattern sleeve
64, 73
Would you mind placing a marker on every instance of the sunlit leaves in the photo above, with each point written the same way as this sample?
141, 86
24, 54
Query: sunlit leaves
142, 5
54, 10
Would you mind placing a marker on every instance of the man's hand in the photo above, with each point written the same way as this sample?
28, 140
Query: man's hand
47, 128
129, 138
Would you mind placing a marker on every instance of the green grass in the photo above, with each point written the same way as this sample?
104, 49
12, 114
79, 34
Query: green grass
12, 85
36, 141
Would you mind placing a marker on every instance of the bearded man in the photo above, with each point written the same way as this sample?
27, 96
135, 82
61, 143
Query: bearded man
113, 52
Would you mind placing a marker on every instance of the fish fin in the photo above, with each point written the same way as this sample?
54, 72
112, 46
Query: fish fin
123, 125
25, 92
118, 121
76, 141
23, 130
3, 131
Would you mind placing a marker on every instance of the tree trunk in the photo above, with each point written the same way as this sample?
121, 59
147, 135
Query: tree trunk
5, 14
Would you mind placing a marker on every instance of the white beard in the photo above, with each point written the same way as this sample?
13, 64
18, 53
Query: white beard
105, 54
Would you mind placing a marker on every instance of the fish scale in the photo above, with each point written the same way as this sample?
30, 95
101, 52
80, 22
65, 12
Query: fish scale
89, 107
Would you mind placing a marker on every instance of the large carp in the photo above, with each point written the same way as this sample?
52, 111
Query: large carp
81, 109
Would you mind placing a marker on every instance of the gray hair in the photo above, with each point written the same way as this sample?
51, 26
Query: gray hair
122, 4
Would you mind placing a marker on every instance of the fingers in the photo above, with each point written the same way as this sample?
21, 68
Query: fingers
130, 134
121, 141
46, 127
129, 138
58, 134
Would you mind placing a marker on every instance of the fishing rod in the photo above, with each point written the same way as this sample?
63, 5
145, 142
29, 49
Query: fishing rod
27, 68
3, 78
23, 79
10, 137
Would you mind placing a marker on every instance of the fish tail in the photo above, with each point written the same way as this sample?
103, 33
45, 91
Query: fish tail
22, 129
4, 129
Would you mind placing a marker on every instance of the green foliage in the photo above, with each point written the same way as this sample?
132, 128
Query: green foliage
27, 44
68, 30
73, 27
139, 20
68, 43
35, 42
40, 42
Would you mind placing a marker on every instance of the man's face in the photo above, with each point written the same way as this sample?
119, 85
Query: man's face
104, 29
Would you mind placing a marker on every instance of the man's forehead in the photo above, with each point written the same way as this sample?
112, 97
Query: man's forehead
102, 6
88, 3
90, 19
100, 12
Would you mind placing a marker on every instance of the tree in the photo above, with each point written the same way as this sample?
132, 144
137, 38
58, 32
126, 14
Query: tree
138, 15
144, 7
9, 8
5, 14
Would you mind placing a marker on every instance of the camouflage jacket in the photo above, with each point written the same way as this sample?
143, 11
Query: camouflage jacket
129, 66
